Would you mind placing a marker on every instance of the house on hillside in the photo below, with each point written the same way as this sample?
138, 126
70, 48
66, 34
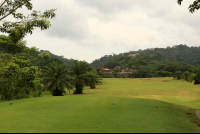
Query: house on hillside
117, 67
133, 54
106, 71
150, 48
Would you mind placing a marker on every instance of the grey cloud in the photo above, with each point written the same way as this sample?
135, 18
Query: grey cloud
108, 6
168, 21
70, 21
68, 26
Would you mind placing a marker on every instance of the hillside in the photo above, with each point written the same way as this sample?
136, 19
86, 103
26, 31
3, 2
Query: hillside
64, 60
177, 53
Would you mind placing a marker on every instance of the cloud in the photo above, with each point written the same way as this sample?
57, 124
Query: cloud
89, 29
108, 6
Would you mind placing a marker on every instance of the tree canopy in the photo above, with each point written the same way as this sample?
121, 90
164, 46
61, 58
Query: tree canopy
24, 24
18, 76
192, 7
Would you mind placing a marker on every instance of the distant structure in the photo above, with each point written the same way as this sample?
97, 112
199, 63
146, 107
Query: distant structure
117, 67
150, 48
133, 55
106, 71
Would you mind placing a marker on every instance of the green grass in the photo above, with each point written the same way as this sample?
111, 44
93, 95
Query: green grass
141, 105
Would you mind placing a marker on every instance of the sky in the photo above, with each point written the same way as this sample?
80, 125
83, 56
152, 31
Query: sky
89, 29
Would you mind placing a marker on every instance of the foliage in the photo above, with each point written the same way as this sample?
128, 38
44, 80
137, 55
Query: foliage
99, 72
192, 7
79, 71
93, 79
53, 56
178, 75
56, 78
17, 75
185, 75
24, 24
160, 62
48, 62
195, 77
115, 73
112, 64
163, 73
183, 55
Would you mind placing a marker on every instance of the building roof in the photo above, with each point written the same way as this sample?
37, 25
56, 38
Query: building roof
120, 70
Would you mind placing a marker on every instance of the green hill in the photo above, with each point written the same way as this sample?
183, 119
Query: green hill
158, 56
52, 56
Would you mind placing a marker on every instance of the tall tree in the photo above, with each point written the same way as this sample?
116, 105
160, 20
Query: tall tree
93, 79
18, 76
195, 76
24, 24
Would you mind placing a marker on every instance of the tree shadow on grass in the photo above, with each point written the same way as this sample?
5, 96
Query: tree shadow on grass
71, 94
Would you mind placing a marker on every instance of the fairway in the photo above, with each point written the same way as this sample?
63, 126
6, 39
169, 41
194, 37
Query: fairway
161, 105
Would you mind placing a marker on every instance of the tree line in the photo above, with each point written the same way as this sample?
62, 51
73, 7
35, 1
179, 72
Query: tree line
177, 53
19, 75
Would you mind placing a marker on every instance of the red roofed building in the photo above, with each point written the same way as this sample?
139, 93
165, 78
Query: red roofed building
106, 71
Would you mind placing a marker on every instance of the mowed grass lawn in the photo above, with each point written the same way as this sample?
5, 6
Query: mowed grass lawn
161, 105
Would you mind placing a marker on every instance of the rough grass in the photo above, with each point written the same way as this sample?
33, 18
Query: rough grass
141, 105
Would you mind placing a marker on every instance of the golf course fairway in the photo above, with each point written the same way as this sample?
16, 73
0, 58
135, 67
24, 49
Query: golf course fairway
160, 105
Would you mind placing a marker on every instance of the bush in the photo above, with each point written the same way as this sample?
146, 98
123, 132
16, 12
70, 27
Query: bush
37, 94
21, 96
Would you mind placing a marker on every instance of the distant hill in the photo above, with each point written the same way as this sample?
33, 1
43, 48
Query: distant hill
65, 60
177, 53
135, 59
100, 63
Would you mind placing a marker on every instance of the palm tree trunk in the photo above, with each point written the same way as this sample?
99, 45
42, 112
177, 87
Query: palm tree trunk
92, 86
57, 92
79, 89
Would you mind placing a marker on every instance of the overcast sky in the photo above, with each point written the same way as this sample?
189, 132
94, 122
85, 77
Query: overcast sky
89, 29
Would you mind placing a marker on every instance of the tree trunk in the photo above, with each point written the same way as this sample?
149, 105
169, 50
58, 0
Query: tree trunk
196, 82
92, 86
79, 89
57, 92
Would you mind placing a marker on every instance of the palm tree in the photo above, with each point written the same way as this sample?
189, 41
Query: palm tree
93, 79
79, 71
56, 78
195, 77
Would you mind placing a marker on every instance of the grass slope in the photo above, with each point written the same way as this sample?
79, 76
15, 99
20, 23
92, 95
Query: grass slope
135, 110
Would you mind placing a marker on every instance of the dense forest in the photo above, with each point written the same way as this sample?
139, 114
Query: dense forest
53, 57
41, 63
177, 53
159, 62
157, 59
